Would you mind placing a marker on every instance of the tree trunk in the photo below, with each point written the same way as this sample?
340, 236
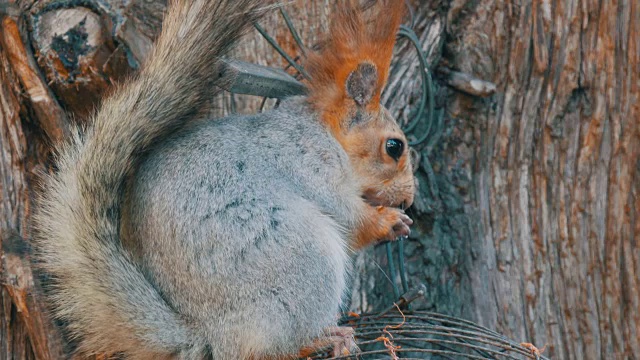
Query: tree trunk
526, 219
531, 226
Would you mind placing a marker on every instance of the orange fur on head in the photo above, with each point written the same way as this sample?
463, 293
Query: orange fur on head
355, 36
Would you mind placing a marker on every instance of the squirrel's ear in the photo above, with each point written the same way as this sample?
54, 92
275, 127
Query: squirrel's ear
362, 83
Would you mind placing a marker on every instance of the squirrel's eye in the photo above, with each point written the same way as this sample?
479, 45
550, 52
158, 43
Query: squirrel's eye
395, 148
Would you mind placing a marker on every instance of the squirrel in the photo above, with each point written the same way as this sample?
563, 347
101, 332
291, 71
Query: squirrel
168, 236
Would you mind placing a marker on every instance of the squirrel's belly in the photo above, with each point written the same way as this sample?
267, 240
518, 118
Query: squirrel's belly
244, 245
269, 260
279, 276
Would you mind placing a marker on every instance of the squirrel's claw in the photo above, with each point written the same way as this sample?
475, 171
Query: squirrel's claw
400, 224
343, 342
338, 340
382, 223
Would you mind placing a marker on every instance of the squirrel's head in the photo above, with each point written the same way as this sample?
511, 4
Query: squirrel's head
348, 74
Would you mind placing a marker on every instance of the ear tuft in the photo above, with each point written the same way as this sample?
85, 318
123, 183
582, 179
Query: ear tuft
362, 83
351, 66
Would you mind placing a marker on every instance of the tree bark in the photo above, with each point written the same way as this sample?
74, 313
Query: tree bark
526, 219
535, 228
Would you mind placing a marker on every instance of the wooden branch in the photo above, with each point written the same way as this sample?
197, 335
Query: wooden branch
18, 280
78, 58
49, 114
468, 84
28, 331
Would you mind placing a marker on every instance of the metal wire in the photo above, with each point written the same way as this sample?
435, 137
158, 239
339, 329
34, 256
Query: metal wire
415, 335
281, 51
403, 271
428, 90
392, 270
292, 30
426, 98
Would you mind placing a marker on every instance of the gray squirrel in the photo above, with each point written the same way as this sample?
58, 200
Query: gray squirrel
167, 236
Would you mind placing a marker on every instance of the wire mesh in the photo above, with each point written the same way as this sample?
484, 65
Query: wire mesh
427, 335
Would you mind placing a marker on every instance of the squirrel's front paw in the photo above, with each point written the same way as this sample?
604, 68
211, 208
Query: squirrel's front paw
381, 223
395, 221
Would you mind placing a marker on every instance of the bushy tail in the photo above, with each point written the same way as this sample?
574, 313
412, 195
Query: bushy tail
97, 289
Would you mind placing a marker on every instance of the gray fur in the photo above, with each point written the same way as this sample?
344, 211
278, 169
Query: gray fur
103, 295
251, 214
173, 238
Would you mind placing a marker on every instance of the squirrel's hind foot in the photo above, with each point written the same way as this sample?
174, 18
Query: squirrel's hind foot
337, 341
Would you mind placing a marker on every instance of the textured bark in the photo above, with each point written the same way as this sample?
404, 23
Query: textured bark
535, 232
527, 214
554, 172
26, 332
